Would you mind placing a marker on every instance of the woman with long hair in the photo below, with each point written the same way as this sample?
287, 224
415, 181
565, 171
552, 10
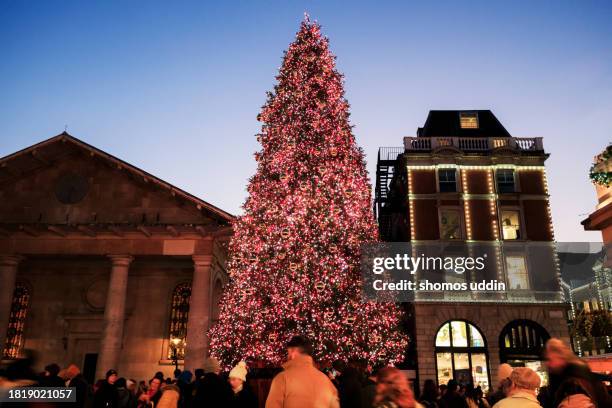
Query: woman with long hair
393, 390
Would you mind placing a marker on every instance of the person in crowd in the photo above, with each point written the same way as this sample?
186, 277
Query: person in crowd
503, 384
170, 395
125, 398
452, 398
474, 397
83, 390
106, 395
301, 384
393, 390
348, 383
242, 396
522, 391
198, 373
152, 395
368, 389
430, 394
186, 388
50, 377
571, 382
442, 389
211, 390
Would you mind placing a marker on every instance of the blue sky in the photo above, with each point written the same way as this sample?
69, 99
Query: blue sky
175, 87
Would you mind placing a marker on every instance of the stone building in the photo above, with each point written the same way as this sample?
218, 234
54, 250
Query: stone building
464, 179
104, 265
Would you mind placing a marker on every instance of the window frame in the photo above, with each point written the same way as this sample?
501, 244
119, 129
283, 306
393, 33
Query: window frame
469, 350
469, 114
166, 349
22, 321
460, 213
525, 262
515, 188
438, 181
521, 229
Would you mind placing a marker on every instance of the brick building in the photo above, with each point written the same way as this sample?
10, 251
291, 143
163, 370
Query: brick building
104, 265
465, 179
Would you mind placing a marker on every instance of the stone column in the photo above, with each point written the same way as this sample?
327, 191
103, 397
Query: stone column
8, 275
196, 347
114, 315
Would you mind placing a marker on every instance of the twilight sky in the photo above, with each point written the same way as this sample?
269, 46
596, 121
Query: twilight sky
174, 87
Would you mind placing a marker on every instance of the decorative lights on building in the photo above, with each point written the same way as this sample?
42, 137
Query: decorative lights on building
411, 206
466, 203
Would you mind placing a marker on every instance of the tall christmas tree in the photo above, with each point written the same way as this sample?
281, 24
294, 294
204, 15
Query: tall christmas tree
294, 256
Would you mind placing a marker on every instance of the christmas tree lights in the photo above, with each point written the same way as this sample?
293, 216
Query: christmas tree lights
294, 256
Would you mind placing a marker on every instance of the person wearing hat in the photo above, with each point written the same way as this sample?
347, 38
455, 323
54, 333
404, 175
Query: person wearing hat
241, 396
211, 390
503, 384
522, 391
107, 396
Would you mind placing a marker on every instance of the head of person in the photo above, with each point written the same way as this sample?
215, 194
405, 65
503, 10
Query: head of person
185, 377
299, 346
72, 371
111, 376
159, 375
393, 385
524, 379
558, 355
199, 373
131, 385
154, 384
121, 383
212, 365
237, 376
52, 370
503, 374
430, 390
452, 386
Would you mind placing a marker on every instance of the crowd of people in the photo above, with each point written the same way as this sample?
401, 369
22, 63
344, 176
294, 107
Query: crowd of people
301, 384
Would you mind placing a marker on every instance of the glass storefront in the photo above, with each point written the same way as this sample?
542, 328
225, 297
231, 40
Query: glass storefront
461, 354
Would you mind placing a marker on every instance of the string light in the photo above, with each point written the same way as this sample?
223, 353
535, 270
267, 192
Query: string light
294, 255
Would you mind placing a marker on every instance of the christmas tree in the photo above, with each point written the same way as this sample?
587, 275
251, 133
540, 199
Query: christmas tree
294, 256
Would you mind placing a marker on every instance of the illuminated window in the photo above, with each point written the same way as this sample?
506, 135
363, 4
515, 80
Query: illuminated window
505, 181
17, 317
516, 268
522, 345
461, 354
447, 180
179, 312
511, 224
468, 120
450, 224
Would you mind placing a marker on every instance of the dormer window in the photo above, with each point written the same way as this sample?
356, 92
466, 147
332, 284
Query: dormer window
468, 120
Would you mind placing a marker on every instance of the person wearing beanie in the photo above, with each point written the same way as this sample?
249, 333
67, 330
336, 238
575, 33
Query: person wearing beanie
503, 384
106, 395
211, 389
522, 391
241, 396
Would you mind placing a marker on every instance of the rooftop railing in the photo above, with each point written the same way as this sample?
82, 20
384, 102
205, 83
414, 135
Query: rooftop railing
474, 144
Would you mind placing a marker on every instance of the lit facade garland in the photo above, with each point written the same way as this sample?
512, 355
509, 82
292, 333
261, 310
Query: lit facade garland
411, 207
466, 204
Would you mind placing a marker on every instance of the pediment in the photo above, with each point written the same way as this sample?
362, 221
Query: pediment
66, 181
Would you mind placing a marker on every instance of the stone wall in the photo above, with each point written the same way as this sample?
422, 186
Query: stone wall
65, 317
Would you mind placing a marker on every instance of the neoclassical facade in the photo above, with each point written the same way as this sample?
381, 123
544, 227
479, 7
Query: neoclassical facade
104, 265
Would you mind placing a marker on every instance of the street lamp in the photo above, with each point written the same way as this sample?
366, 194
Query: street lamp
175, 344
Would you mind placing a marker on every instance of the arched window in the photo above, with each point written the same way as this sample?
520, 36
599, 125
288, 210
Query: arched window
17, 318
521, 343
179, 312
461, 354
